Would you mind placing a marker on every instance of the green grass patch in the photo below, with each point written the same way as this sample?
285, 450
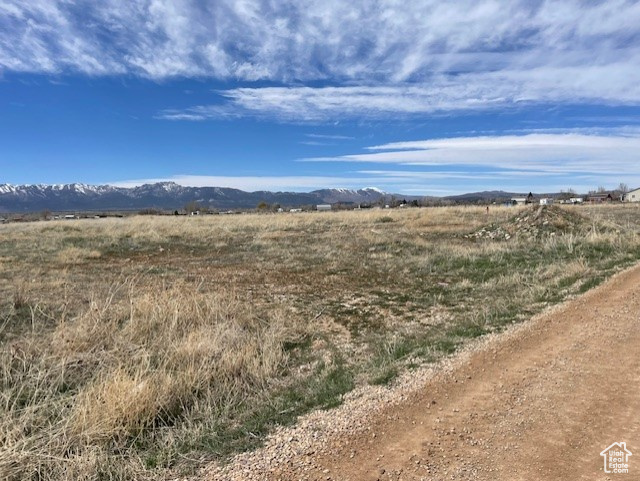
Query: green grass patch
590, 284
249, 422
384, 376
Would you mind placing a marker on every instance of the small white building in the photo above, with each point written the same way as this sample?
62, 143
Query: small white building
323, 207
295, 211
69, 216
546, 201
632, 196
576, 200
518, 200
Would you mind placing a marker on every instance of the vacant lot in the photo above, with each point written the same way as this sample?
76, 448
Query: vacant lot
143, 347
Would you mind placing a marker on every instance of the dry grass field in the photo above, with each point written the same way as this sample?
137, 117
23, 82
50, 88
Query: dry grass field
140, 348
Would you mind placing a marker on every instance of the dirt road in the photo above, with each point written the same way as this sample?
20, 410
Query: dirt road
540, 403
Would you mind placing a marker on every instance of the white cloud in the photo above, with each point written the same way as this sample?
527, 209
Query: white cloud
540, 161
330, 136
546, 162
571, 153
412, 175
611, 84
525, 142
386, 42
191, 115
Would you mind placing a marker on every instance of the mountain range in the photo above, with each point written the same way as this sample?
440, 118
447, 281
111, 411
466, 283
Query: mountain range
163, 195
170, 196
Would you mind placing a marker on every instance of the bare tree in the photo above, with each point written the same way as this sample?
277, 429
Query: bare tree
192, 207
623, 188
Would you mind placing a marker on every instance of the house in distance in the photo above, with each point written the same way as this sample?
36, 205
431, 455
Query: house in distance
632, 196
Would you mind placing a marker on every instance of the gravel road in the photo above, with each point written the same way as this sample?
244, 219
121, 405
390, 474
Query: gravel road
540, 401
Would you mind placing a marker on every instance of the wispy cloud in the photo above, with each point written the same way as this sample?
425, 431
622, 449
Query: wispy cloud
186, 115
196, 114
444, 94
383, 57
284, 40
412, 175
561, 153
548, 160
329, 136
322, 140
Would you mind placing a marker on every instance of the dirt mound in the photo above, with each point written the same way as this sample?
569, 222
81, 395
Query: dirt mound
535, 223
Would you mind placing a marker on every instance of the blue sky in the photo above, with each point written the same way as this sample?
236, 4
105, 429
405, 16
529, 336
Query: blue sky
425, 97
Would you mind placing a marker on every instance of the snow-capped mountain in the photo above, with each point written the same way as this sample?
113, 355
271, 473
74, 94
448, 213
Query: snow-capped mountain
162, 195
369, 194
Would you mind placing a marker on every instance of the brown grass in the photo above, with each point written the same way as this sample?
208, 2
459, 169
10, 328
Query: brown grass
136, 348
134, 361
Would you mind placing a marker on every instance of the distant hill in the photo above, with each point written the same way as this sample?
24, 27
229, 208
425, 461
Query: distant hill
496, 196
485, 196
163, 195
